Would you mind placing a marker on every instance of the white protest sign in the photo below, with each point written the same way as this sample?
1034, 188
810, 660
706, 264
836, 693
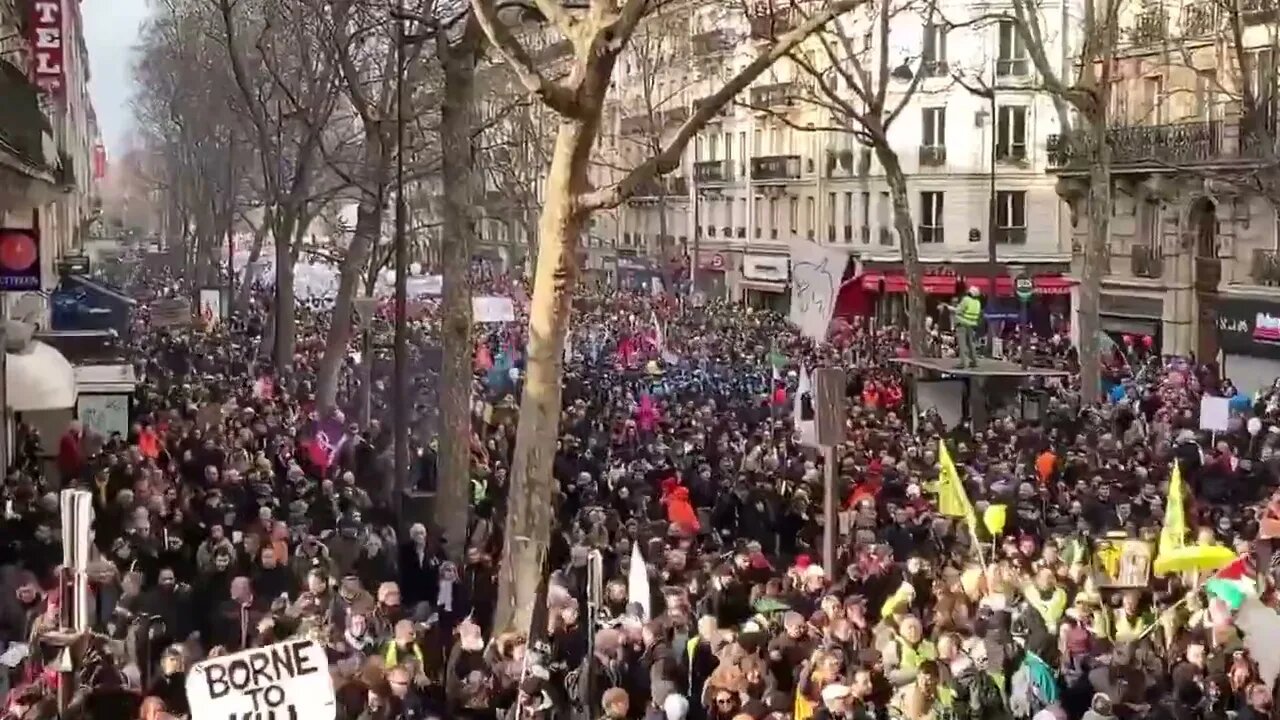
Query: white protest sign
1215, 413
285, 681
816, 272
489, 308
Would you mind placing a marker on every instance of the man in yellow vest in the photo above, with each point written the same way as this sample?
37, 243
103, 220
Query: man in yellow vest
968, 315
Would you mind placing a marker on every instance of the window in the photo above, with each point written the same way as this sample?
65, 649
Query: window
1152, 101
795, 214
1011, 217
933, 60
867, 218
831, 213
884, 209
1013, 53
757, 148
934, 127
811, 215
773, 218
728, 146
931, 217
1206, 92
713, 150
1011, 132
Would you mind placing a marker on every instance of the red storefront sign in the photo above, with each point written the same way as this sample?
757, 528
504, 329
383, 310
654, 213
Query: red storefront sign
99, 161
712, 261
949, 284
46, 45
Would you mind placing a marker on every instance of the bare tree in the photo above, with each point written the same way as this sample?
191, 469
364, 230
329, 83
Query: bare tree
598, 34
287, 84
849, 71
363, 39
1085, 86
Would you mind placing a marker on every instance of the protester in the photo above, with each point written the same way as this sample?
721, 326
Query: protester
980, 569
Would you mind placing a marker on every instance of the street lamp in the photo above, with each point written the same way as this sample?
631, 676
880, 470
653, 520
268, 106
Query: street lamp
400, 342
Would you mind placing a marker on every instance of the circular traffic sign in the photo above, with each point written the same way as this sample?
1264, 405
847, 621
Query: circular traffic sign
1023, 287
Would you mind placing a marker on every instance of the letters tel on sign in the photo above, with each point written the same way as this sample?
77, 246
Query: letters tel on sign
286, 681
46, 45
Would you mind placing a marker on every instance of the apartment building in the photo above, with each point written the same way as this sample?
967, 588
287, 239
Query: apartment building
1194, 254
758, 177
49, 162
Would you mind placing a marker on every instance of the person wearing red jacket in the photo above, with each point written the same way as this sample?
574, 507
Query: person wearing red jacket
71, 458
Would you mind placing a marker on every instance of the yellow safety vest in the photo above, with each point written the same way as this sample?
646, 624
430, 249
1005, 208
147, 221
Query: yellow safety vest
1051, 610
969, 312
393, 655
1130, 630
910, 658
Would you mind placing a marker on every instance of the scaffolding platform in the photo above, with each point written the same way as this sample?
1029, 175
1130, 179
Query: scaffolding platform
987, 367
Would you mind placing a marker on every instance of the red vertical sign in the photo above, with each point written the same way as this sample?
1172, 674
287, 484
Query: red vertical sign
47, 45
99, 161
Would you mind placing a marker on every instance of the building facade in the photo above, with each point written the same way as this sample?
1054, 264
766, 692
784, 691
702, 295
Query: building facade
1194, 253
778, 165
50, 159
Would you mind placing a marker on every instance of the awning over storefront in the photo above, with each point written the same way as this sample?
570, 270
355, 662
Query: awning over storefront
39, 378
762, 286
80, 303
934, 284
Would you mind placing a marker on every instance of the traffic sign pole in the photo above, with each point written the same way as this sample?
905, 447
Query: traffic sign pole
1024, 287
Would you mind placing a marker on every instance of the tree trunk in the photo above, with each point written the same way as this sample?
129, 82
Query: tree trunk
255, 252
368, 227
904, 222
460, 193
533, 486
1094, 265
285, 312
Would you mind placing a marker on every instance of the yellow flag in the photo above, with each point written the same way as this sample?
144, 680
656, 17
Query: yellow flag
1173, 534
994, 518
952, 499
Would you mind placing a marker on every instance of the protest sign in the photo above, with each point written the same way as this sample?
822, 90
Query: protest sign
286, 681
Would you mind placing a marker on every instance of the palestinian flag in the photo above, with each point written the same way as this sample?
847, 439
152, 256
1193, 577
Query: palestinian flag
1233, 584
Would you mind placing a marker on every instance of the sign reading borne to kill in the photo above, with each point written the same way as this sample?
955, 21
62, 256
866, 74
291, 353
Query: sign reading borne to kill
285, 681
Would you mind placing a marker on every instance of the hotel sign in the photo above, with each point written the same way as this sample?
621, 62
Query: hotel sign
47, 23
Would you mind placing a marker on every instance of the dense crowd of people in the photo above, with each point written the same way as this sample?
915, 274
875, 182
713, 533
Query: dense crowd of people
226, 519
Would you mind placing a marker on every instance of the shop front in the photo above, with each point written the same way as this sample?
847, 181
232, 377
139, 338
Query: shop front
764, 283
637, 273
1134, 316
1047, 311
711, 276
1249, 337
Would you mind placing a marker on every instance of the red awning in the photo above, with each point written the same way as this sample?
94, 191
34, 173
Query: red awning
950, 284
897, 283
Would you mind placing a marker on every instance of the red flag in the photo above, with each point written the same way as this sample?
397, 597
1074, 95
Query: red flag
1237, 570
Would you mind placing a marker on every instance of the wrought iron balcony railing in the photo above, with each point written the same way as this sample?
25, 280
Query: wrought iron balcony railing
1146, 262
768, 25
1194, 143
933, 155
1266, 268
668, 186
713, 171
710, 42
1013, 67
1200, 19
775, 167
775, 95
1149, 27
1011, 236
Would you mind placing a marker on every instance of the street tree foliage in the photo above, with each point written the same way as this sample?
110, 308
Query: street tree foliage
576, 89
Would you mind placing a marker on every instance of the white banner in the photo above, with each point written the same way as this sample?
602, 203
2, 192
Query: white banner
285, 681
104, 414
816, 272
491, 308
